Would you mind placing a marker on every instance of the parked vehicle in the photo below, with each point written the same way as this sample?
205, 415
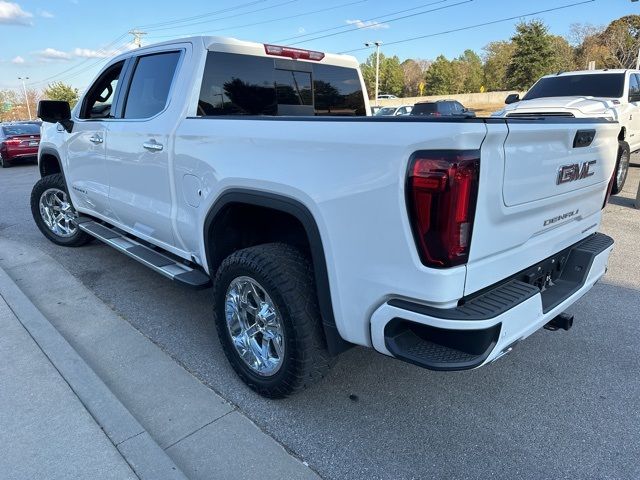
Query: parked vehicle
386, 95
439, 108
18, 142
254, 168
590, 93
394, 111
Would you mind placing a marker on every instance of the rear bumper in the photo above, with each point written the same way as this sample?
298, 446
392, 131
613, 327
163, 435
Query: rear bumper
485, 327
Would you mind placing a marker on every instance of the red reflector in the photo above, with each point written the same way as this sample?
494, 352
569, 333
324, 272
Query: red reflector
295, 53
442, 194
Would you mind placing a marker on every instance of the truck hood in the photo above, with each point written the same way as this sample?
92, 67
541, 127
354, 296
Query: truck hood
579, 107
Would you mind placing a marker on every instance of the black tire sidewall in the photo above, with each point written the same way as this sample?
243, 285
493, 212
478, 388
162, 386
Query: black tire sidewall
45, 183
622, 148
244, 371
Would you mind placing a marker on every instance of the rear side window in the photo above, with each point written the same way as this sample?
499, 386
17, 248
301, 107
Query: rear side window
150, 85
634, 87
424, 109
608, 85
235, 84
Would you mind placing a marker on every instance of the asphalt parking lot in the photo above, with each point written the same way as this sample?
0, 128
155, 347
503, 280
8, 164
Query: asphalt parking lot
562, 405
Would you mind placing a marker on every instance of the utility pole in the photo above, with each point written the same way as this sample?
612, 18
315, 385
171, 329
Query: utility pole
377, 45
26, 98
137, 37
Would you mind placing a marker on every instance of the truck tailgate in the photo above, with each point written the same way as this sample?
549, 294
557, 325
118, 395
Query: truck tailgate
542, 186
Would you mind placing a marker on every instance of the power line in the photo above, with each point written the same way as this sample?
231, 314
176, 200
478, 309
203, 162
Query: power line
270, 20
360, 27
104, 50
202, 15
469, 27
379, 17
227, 17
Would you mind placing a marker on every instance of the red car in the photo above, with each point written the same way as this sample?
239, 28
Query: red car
18, 141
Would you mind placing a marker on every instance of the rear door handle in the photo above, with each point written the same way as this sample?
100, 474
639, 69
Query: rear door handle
96, 139
152, 146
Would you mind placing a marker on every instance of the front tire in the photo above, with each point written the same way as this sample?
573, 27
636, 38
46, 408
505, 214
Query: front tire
267, 318
54, 214
622, 167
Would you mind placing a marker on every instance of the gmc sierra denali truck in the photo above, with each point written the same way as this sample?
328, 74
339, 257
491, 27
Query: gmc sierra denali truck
589, 93
255, 169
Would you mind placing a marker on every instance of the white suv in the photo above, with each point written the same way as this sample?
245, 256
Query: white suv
611, 94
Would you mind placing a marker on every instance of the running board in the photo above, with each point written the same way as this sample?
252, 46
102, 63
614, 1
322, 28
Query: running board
156, 261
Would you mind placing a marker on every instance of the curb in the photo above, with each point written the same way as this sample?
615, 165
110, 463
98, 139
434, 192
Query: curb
147, 459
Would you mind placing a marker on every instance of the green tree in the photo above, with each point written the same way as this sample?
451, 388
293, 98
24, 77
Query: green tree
497, 56
533, 55
391, 75
441, 77
61, 91
469, 70
564, 56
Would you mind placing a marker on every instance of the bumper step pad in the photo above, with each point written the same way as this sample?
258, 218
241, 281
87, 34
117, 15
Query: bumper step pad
161, 263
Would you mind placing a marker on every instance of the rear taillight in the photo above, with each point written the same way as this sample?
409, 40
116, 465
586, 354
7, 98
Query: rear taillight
442, 190
295, 53
13, 141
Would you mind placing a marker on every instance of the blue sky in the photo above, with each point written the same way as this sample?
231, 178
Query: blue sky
67, 40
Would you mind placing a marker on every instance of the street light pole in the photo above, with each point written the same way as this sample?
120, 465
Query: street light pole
377, 44
26, 98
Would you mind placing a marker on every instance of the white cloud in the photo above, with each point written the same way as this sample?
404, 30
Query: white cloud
88, 53
45, 14
302, 30
53, 54
17, 60
12, 14
368, 24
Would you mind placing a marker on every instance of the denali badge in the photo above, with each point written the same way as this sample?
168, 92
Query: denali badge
573, 172
564, 216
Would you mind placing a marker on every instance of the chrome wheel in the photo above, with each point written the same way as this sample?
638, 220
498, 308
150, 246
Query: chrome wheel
623, 168
57, 212
255, 326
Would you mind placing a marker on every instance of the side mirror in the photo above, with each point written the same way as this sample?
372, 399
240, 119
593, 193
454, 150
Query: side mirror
512, 98
55, 111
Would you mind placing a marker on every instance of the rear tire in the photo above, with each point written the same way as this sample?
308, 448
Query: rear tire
622, 167
4, 163
53, 213
286, 302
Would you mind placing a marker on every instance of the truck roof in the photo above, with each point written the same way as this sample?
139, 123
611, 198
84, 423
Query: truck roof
234, 45
591, 72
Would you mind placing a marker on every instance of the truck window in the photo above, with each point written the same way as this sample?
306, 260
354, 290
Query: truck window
607, 85
99, 99
235, 84
150, 85
634, 88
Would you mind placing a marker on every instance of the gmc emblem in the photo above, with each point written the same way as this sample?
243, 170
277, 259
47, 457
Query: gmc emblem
575, 171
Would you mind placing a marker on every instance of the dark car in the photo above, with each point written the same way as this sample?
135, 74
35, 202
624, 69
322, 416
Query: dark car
18, 141
442, 108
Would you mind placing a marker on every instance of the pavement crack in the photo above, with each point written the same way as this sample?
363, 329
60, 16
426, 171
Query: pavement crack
198, 429
127, 439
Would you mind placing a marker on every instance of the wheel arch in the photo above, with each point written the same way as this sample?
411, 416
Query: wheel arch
49, 162
279, 205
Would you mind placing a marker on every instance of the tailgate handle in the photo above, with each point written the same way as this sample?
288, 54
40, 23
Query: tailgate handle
583, 138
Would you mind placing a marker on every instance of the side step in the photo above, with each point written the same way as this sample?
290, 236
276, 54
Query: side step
162, 264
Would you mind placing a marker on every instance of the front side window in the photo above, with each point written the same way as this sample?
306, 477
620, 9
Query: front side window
98, 102
150, 85
235, 84
634, 88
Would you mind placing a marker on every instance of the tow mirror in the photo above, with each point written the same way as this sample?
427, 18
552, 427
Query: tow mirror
512, 98
55, 111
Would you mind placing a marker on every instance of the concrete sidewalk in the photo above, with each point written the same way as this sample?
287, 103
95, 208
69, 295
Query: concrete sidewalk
45, 430
204, 435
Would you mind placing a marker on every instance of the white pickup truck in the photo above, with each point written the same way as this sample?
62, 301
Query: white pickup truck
254, 168
608, 93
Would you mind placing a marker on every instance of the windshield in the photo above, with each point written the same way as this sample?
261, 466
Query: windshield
608, 85
386, 111
21, 129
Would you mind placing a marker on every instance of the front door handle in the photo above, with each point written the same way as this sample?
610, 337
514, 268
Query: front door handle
152, 146
96, 139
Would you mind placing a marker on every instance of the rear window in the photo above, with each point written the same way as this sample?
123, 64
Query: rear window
608, 85
235, 84
21, 129
424, 108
